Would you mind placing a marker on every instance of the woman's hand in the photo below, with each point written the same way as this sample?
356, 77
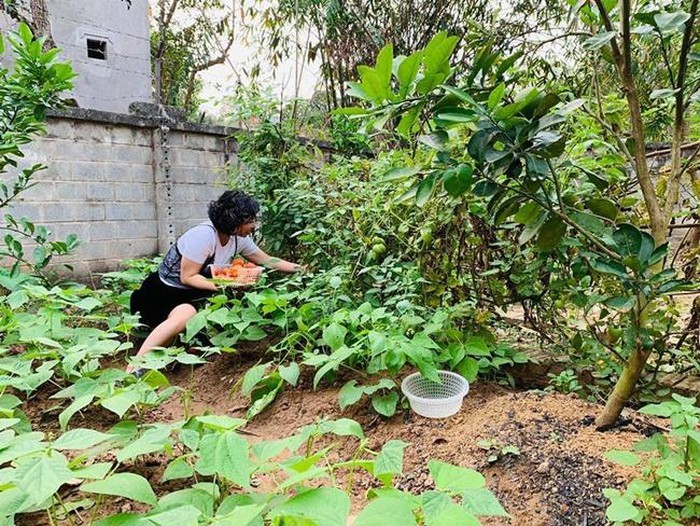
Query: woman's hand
261, 258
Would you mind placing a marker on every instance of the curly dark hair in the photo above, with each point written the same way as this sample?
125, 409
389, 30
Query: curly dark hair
231, 210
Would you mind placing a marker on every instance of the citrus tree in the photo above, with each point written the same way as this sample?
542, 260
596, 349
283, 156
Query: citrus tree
496, 139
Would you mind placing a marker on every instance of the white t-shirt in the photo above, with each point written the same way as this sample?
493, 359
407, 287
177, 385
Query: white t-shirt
201, 244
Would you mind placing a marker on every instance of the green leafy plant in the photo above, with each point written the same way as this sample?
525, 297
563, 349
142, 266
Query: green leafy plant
667, 491
565, 382
496, 450
33, 85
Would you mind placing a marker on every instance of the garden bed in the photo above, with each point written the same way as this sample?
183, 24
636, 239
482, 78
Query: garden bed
555, 478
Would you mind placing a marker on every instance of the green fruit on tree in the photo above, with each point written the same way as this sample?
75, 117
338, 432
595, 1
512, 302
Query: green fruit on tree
426, 235
379, 248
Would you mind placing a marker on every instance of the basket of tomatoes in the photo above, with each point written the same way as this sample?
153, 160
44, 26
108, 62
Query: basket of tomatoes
239, 273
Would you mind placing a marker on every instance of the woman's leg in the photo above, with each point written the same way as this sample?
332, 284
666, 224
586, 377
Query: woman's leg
165, 333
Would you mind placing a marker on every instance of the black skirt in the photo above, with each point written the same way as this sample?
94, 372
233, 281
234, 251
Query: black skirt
155, 300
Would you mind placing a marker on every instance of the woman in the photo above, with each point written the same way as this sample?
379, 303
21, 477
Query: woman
169, 298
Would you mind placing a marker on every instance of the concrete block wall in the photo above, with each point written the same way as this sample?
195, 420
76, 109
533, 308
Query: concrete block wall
116, 183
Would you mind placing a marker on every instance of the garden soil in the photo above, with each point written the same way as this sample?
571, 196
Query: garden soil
556, 479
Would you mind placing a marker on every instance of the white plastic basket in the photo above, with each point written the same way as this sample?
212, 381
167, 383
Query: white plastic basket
435, 400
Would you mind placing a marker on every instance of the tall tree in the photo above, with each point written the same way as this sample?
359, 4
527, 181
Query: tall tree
188, 37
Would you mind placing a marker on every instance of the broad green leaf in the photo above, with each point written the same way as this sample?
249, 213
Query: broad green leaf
75, 406
482, 502
599, 40
122, 401
42, 477
349, 394
496, 96
122, 519
390, 458
609, 267
437, 140
602, 207
290, 373
225, 454
407, 72
152, 440
551, 233
342, 427
242, 515
662, 93
621, 510
333, 362
385, 60
425, 190
180, 516
334, 336
80, 439
220, 422
199, 498
455, 115
671, 489
252, 377
646, 250
385, 405
468, 368
127, 485
628, 239
454, 478
457, 180
194, 325
625, 458
621, 303
671, 22
323, 506
528, 213
94, 471
440, 510
657, 410
179, 468
372, 84
399, 174
385, 511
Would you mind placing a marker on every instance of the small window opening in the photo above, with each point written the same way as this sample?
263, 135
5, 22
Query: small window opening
97, 48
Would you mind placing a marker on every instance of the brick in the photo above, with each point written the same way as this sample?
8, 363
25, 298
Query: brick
117, 172
129, 154
57, 212
141, 173
89, 132
58, 171
60, 128
42, 192
127, 230
99, 191
70, 151
130, 136
197, 141
88, 172
19, 209
102, 231
176, 138
125, 212
63, 230
70, 191
132, 192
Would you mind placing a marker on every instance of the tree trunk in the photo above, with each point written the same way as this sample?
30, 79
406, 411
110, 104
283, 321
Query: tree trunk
623, 389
